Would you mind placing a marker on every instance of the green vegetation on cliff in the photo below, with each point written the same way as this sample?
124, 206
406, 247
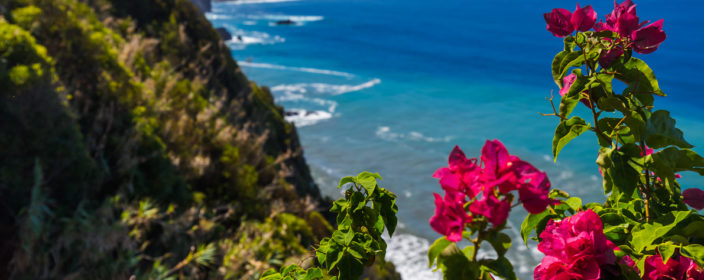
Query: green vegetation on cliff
132, 144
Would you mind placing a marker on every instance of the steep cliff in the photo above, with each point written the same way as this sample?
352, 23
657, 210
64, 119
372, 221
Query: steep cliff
132, 144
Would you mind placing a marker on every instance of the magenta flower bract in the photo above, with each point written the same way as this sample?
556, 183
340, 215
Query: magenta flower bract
607, 59
677, 267
577, 246
559, 22
487, 185
694, 198
647, 39
450, 216
534, 195
622, 19
489, 206
460, 175
567, 82
583, 18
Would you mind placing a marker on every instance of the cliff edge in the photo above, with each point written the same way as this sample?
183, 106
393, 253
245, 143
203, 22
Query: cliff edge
133, 145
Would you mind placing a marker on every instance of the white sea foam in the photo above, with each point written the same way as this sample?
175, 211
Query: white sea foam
302, 117
409, 255
291, 68
384, 132
218, 16
299, 93
242, 38
322, 88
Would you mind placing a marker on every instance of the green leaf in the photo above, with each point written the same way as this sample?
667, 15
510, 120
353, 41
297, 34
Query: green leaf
322, 251
434, 251
271, 274
531, 222
346, 180
569, 43
651, 232
357, 250
368, 181
666, 251
350, 268
566, 61
313, 274
637, 74
694, 229
348, 237
334, 256
500, 241
357, 201
612, 103
385, 203
620, 176
661, 131
502, 267
575, 203
566, 131
455, 265
695, 252
340, 237
671, 160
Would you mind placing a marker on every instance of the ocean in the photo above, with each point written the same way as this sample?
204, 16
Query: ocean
391, 86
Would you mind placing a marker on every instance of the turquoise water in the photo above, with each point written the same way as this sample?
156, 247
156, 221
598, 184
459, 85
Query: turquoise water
391, 86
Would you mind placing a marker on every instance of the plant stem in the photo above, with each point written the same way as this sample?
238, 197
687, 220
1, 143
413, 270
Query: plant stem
599, 133
646, 188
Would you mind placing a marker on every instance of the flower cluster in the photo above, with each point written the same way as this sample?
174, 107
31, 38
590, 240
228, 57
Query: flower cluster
575, 248
643, 37
486, 185
562, 22
677, 267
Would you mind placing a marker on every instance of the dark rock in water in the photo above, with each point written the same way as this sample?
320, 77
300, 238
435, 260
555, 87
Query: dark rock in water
290, 113
203, 5
224, 34
285, 22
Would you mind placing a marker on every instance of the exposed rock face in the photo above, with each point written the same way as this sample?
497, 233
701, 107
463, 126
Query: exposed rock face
224, 34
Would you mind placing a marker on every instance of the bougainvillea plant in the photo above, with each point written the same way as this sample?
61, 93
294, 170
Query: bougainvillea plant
478, 197
646, 228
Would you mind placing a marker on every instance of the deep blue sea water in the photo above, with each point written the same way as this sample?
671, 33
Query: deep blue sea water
391, 86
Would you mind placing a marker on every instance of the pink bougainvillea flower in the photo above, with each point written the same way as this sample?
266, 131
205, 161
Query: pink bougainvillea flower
450, 216
567, 82
579, 243
647, 39
461, 175
534, 195
583, 18
623, 19
648, 151
694, 272
553, 268
559, 22
677, 267
601, 26
498, 165
607, 59
694, 198
489, 206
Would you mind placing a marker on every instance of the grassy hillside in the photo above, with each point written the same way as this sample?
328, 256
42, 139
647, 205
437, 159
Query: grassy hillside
132, 144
